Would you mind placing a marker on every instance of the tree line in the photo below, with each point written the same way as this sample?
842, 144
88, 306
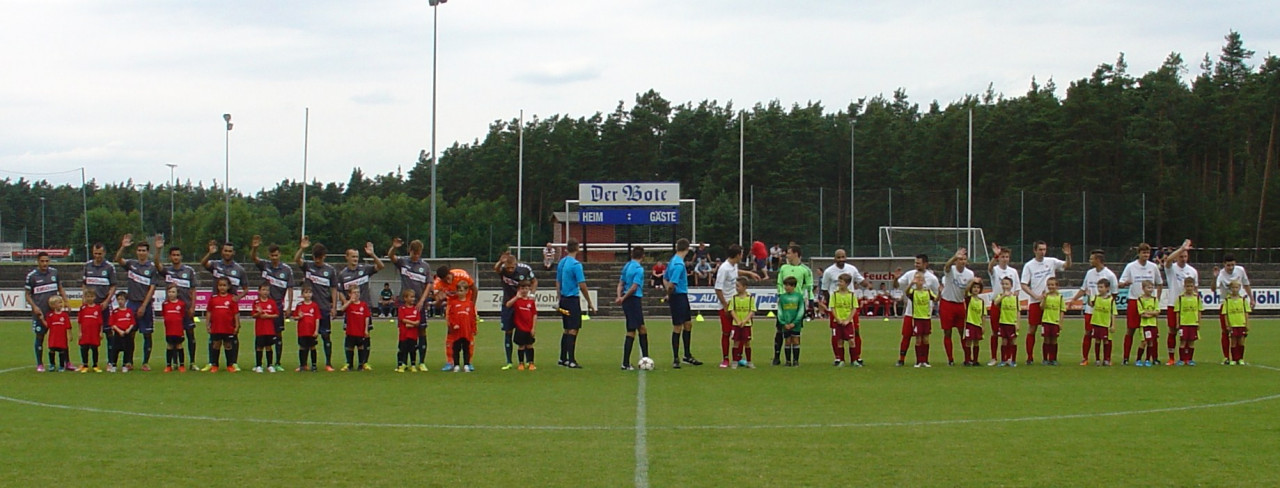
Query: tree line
1201, 149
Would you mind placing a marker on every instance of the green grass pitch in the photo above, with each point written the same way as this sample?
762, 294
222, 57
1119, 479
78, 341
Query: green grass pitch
815, 425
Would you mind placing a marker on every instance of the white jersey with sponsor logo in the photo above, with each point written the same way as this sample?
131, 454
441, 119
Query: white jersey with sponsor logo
956, 283
1135, 273
1223, 283
1175, 276
1036, 274
831, 277
727, 279
1090, 285
999, 273
931, 282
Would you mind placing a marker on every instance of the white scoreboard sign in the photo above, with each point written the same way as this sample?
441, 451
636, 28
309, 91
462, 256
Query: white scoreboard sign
628, 194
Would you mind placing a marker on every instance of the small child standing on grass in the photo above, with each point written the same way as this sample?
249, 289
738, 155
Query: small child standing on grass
922, 300
790, 320
174, 314
90, 319
307, 314
1148, 317
460, 342
525, 318
58, 321
1189, 308
123, 324
975, 308
1237, 309
844, 306
1010, 308
1101, 322
742, 307
265, 312
356, 314
408, 318
1052, 307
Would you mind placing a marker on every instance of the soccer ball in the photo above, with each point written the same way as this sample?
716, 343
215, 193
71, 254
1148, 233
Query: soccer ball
645, 364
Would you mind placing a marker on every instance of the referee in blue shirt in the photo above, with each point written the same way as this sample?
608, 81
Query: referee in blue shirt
677, 283
632, 281
571, 284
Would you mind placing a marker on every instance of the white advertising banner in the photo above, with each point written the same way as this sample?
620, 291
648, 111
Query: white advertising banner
491, 300
628, 194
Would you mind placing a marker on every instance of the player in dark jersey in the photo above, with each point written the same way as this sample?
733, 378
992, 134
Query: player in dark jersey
184, 277
140, 284
279, 276
100, 277
228, 268
42, 284
323, 280
415, 275
512, 274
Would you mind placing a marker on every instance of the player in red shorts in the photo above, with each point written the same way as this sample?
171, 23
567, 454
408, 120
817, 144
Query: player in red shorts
922, 299
1010, 309
975, 308
726, 286
224, 324
58, 321
90, 319
843, 306
408, 319
1054, 310
356, 314
933, 286
1101, 323
951, 310
1035, 278
999, 269
265, 312
174, 314
1189, 308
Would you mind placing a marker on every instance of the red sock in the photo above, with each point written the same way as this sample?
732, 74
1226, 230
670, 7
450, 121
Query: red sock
737, 352
748, 354
1191, 354
975, 352
967, 352
1097, 352
1151, 350
926, 353
1106, 350
946, 342
856, 353
902, 349
724, 345
1128, 344
995, 341
1226, 344
1182, 354
1044, 351
1084, 348
1240, 352
918, 355
1171, 342
1031, 346
837, 348
1052, 353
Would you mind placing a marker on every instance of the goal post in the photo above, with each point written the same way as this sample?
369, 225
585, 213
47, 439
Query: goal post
937, 242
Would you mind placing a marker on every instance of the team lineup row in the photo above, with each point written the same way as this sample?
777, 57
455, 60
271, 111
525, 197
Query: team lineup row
922, 284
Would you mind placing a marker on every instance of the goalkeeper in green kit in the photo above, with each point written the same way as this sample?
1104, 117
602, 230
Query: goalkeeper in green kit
803, 277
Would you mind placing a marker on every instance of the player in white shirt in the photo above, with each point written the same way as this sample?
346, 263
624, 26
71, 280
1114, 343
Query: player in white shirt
726, 287
999, 269
1035, 282
951, 309
1136, 272
1230, 272
930, 282
1088, 290
1176, 270
829, 284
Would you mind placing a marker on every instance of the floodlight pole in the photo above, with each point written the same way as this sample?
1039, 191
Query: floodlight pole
41, 222
435, 24
226, 184
171, 167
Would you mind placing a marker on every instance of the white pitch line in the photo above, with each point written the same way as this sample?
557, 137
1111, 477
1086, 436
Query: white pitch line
642, 447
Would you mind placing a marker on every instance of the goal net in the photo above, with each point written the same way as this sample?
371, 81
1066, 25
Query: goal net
937, 242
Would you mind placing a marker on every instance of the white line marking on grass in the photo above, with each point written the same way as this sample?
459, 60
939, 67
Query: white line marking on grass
642, 448
2, 371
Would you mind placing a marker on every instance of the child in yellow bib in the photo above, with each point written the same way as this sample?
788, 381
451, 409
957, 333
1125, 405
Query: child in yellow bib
1237, 309
1101, 323
1148, 316
1189, 308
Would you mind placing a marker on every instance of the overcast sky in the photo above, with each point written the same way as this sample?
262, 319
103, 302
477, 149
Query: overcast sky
123, 87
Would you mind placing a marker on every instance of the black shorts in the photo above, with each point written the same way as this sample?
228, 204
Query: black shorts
632, 309
355, 341
325, 324
221, 337
572, 320
307, 342
263, 341
408, 345
174, 340
508, 317
790, 333
680, 313
522, 338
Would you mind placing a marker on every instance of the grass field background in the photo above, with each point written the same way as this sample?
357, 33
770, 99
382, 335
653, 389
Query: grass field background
881, 425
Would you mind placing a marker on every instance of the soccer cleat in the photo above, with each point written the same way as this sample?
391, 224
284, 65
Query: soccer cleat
1124, 363
97, 369
1225, 361
168, 369
233, 368
257, 369
146, 367
1013, 364
40, 368
298, 369
345, 367
1180, 363
723, 364
788, 364
1191, 363
126, 369
423, 368
1169, 362
1084, 362
919, 365
751, 365
927, 365
532, 367
993, 362
469, 368
207, 367
399, 369
900, 363
1106, 363
508, 366
676, 365
84, 369
274, 369
313, 368
628, 367
776, 361
447, 367
457, 369
858, 363
734, 365
838, 363
211, 369
520, 367
951, 363
1242, 363
558, 363
71, 367
182, 369
573, 365
327, 367
366, 367
692, 361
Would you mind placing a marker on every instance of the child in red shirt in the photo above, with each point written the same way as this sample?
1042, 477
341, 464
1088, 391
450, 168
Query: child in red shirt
409, 319
265, 312
90, 319
357, 329
59, 323
174, 312
123, 324
460, 342
224, 324
308, 315
525, 317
